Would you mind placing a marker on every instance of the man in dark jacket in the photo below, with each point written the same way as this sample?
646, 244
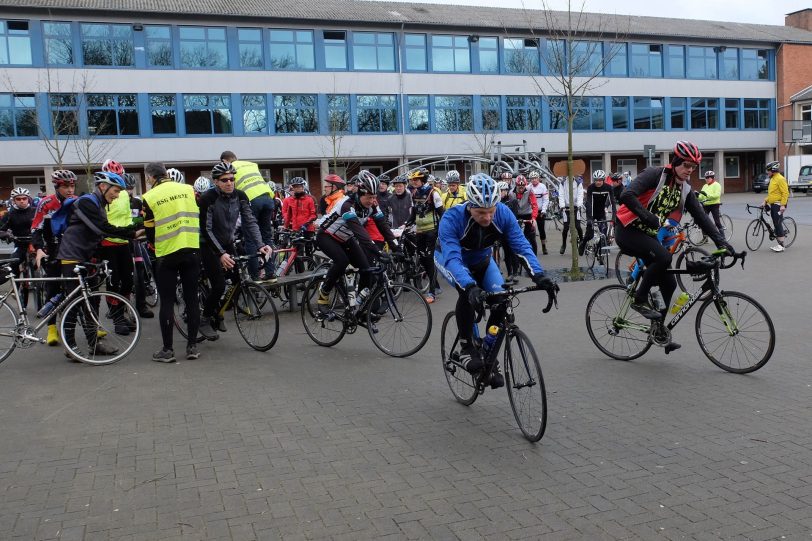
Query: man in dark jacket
16, 226
400, 203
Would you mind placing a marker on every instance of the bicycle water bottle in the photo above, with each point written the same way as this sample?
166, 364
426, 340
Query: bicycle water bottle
490, 339
49, 306
362, 296
680, 302
351, 300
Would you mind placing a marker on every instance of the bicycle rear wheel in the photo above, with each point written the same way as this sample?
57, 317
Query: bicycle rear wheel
326, 326
727, 223
737, 335
98, 315
624, 263
150, 287
461, 382
616, 329
398, 327
8, 330
692, 254
696, 236
256, 316
790, 230
180, 316
525, 385
754, 235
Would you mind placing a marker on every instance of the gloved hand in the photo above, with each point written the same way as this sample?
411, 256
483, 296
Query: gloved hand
384, 258
544, 282
476, 297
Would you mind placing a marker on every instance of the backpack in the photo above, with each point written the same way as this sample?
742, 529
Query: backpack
61, 218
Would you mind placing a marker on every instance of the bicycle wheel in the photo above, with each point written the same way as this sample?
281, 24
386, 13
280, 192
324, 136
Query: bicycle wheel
36, 289
695, 235
727, 223
256, 317
83, 320
461, 382
525, 385
180, 316
624, 263
420, 278
398, 327
685, 280
754, 235
591, 254
8, 330
790, 230
150, 287
616, 330
737, 335
326, 328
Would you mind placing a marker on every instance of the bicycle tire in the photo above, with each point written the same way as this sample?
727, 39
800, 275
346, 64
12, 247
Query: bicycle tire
590, 254
715, 340
102, 319
624, 263
179, 310
692, 254
37, 289
532, 420
695, 235
150, 287
8, 330
323, 332
607, 314
754, 235
463, 384
727, 223
400, 328
790, 231
255, 310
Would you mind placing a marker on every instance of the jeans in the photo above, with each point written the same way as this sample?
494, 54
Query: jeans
263, 209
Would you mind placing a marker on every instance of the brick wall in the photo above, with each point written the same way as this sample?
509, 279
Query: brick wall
793, 74
800, 19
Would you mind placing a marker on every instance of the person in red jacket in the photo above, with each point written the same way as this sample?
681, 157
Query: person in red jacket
298, 214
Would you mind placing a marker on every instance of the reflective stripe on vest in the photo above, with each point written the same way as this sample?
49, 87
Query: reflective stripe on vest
119, 213
249, 180
177, 218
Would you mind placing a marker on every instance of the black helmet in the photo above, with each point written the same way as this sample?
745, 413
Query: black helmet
221, 169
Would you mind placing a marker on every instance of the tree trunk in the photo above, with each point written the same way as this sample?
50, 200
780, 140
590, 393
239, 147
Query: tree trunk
575, 269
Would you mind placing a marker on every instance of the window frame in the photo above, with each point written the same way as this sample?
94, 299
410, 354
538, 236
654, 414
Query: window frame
151, 40
762, 107
710, 109
414, 108
672, 111
299, 107
113, 40
246, 108
116, 108
358, 108
296, 45
609, 64
345, 109
211, 110
7, 35
744, 62
528, 108
483, 108
328, 46
206, 41
258, 43
726, 108
524, 52
495, 50
168, 108
68, 38
454, 48
708, 58
55, 110
615, 108
15, 108
651, 117
651, 60
730, 161
413, 47
455, 104
378, 47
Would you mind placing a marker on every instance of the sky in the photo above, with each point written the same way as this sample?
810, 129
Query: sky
743, 11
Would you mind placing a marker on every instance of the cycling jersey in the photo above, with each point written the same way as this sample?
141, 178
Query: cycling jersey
401, 206
526, 205
18, 222
348, 219
41, 236
778, 191
87, 226
219, 215
542, 196
427, 209
597, 199
451, 199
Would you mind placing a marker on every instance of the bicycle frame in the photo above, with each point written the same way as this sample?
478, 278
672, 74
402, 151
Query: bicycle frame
674, 243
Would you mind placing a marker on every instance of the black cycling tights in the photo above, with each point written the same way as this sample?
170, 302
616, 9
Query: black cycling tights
464, 312
186, 265
342, 254
636, 243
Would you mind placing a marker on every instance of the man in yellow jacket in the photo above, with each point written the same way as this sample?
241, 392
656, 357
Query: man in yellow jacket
711, 198
777, 199
455, 195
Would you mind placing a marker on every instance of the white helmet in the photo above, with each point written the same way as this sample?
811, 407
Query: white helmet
480, 191
17, 192
599, 174
202, 184
175, 175
502, 185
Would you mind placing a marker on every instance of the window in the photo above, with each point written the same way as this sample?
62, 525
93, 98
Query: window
453, 113
701, 63
15, 43
18, 115
616, 60
705, 165
203, 47
731, 113
107, 44
729, 68
207, 113
756, 114
488, 55
64, 114
335, 50
415, 47
250, 44
376, 114
628, 165
295, 113
58, 43
806, 112
755, 64
620, 113
555, 56
732, 167
521, 55
254, 114
292, 50
589, 114
594, 165
338, 113
648, 113
418, 113
523, 113
450, 53
587, 57
491, 113
676, 61
158, 45
646, 60
112, 114
678, 108
373, 51
704, 113
289, 173
162, 108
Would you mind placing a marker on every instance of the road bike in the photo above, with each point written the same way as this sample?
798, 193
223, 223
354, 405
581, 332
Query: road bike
408, 269
761, 227
145, 271
596, 249
28, 269
697, 237
733, 330
522, 370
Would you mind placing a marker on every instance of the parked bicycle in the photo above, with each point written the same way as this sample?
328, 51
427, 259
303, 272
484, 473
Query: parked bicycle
28, 269
697, 237
408, 269
596, 249
762, 227
145, 271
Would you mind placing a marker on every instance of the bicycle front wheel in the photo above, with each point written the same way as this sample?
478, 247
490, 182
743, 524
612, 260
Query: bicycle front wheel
616, 329
754, 235
88, 328
8, 330
256, 316
399, 327
461, 382
737, 335
696, 236
790, 230
525, 385
727, 223
624, 264
324, 324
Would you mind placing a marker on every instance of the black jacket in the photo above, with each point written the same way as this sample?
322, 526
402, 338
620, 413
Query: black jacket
597, 199
87, 227
17, 223
218, 220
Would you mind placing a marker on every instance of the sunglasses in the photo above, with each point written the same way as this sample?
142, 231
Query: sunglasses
225, 179
689, 166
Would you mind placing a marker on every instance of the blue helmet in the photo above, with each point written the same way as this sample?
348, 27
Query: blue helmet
112, 179
481, 191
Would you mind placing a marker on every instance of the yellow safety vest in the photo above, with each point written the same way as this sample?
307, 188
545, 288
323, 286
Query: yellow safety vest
453, 199
176, 217
249, 180
119, 213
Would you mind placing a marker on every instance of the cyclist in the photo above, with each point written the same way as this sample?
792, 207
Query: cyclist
384, 196
776, 200
527, 211
598, 197
333, 191
453, 195
45, 242
542, 194
352, 185
463, 256
220, 209
16, 224
711, 198
299, 213
176, 176
564, 205
427, 210
201, 185
511, 263
400, 202
655, 196
615, 182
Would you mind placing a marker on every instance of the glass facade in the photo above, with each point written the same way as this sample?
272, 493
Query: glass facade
755, 64
701, 63
207, 114
521, 55
58, 43
616, 60
64, 114
648, 113
292, 50
15, 43
335, 50
450, 53
295, 113
249, 41
254, 114
453, 113
415, 52
491, 113
418, 113
373, 51
203, 47
488, 55
338, 113
18, 115
523, 113
112, 114
704, 113
756, 114
620, 113
158, 45
376, 114
107, 45
163, 113
646, 60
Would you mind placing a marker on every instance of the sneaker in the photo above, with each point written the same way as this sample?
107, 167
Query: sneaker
430, 298
70, 357
323, 301
146, 313
497, 380
207, 331
101, 333
470, 359
645, 310
562, 250
53, 336
544, 250
192, 353
777, 248
671, 346
103, 349
164, 356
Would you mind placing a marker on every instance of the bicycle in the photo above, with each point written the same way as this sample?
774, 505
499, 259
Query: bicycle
28, 269
144, 270
287, 257
523, 377
595, 249
408, 269
697, 237
253, 307
80, 306
758, 228
396, 315
729, 323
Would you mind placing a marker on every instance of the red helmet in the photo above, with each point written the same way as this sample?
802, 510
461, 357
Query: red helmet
63, 177
112, 166
521, 181
335, 180
688, 151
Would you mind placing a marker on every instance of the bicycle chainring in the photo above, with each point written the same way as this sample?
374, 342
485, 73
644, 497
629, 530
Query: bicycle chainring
25, 336
660, 334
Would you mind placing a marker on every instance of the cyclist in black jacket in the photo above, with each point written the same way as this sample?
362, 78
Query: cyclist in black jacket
598, 197
16, 224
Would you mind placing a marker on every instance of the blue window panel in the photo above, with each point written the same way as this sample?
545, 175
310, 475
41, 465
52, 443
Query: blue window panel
203, 47
450, 54
376, 114
701, 63
491, 107
646, 60
207, 114
63, 114
414, 52
163, 113
18, 115
620, 112
521, 55
755, 64
373, 51
338, 113
295, 113
249, 43
292, 50
453, 114
587, 58
678, 112
616, 59
731, 113
589, 114
523, 113
418, 109
729, 64
704, 113
648, 113
676, 61
335, 49
255, 114
58, 40
107, 44
112, 114
756, 114
488, 53
158, 46
15, 43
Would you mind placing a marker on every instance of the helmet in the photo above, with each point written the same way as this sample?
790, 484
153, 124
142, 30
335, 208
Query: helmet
112, 179
599, 174
112, 166
18, 192
533, 174
502, 185
176, 175
616, 176
521, 181
507, 175
297, 181
400, 179
480, 190
129, 180
335, 180
421, 173
710, 174
63, 177
687, 151
452, 176
202, 184
353, 181
367, 183
773, 167
221, 169
384, 178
